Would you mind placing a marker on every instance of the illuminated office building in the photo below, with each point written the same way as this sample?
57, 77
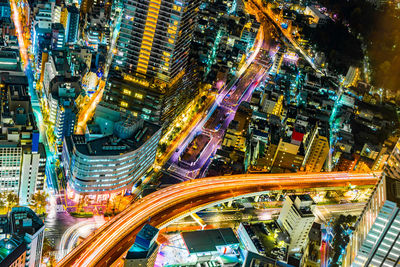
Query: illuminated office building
152, 55
376, 240
316, 149
113, 155
297, 218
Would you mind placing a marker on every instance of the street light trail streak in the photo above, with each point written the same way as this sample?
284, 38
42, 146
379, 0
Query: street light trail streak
155, 206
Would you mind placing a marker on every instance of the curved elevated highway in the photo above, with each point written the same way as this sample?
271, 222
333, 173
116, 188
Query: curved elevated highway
111, 241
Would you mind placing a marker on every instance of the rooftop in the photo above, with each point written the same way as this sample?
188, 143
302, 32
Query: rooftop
10, 250
209, 240
121, 134
25, 221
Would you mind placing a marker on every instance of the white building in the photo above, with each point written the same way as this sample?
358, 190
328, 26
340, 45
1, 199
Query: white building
381, 247
10, 159
297, 218
113, 162
22, 158
376, 240
32, 174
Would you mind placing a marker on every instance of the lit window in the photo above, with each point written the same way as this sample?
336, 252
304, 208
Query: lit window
177, 8
138, 96
135, 114
124, 104
127, 92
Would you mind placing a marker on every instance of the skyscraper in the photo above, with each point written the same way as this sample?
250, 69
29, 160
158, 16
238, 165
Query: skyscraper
376, 240
149, 67
154, 38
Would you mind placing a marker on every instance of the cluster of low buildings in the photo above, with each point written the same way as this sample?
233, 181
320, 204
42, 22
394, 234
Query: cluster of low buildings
223, 37
297, 120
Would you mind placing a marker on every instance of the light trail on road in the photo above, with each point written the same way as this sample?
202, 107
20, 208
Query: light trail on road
88, 110
20, 34
163, 206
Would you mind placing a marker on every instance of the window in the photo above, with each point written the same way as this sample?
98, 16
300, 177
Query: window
138, 96
124, 104
127, 92
177, 8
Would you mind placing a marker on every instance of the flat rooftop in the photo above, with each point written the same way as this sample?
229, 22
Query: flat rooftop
195, 147
209, 240
112, 145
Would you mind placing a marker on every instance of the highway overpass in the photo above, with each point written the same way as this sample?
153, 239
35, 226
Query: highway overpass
162, 207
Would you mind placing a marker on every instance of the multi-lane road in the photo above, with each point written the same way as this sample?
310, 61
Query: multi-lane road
240, 91
114, 238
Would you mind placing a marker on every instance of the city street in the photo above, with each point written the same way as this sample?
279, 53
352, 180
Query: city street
174, 202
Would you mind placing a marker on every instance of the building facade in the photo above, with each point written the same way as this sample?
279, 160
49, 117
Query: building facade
70, 20
317, 150
154, 37
113, 161
297, 218
375, 240
151, 58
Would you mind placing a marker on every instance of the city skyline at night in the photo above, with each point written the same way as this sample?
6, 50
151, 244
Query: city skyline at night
199, 133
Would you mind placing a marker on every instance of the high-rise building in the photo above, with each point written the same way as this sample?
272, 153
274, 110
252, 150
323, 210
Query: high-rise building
376, 240
32, 173
316, 149
297, 218
62, 106
22, 157
21, 234
118, 148
288, 155
154, 38
70, 20
152, 53
392, 168
10, 158
65, 119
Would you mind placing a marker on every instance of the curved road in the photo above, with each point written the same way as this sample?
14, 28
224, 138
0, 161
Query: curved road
111, 241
